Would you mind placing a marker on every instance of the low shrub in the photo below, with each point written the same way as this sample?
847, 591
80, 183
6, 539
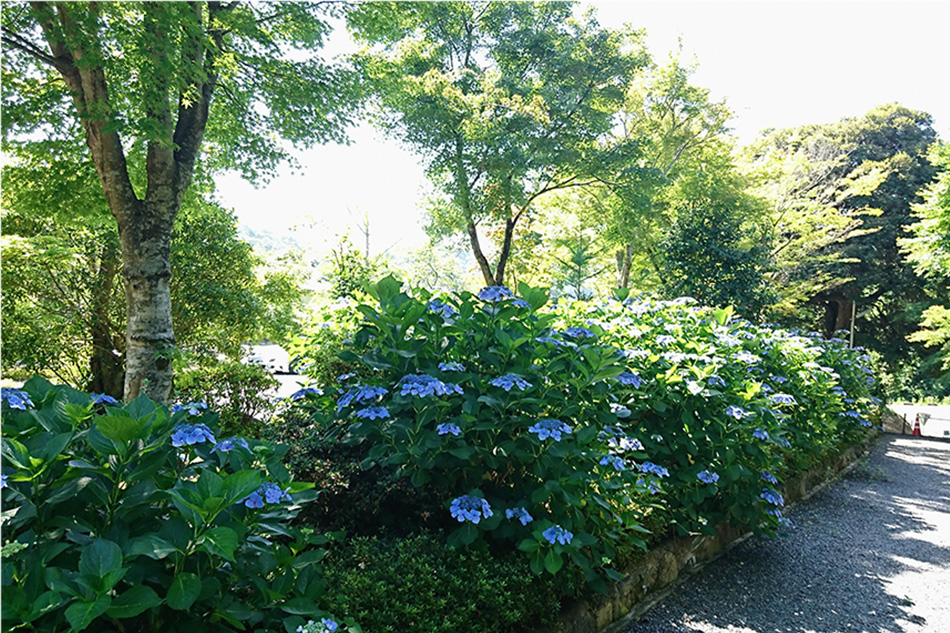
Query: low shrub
420, 584
242, 394
131, 517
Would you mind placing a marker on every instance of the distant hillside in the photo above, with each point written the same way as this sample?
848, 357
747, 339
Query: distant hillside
269, 242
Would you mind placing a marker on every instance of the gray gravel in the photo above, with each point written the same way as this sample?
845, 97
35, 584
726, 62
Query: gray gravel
869, 553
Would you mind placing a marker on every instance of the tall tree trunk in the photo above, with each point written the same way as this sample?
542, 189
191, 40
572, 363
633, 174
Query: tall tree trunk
837, 315
499, 279
106, 364
624, 264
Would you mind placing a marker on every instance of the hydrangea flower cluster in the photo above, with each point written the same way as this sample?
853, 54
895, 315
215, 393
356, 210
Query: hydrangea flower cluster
557, 534
451, 366
708, 477
361, 394
467, 508
519, 513
783, 398
625, 444
190, 434
508, 381
665, 340
423, 385
325, 625
192, 408
448, 428
579, 333
619, 410
102, 398
736, 412
269, 493
772, 497
442, 309
3, 481
760, 434
615, 461
16, 398
655, 469
630, 378
302, 393
227, 445
493, 294
768, 477
550, 428
373, 413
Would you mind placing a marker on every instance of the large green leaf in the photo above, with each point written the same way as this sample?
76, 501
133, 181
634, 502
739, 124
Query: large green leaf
132, 602
220, 541
183, 591
81, 614
101, 564
120, 428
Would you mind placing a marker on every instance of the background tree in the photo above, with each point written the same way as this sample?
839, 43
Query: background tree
506, 102
928, 251
152, 86
62, 275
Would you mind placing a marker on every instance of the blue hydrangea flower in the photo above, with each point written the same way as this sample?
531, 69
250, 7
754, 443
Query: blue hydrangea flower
102, 398
865, 423
708, 477
615, 461
783, 442
520, 303
16, 398
768, 477
715, 381
329, 624
652, 486
632, 379
373, 413
269, 493
442, 309
779, 379
302, 393
492, 294
508, 381
361, 394
448, 428
736, 412
3, 481
655, 469
466, 508
451, 366
579, 333
665, 339
192, 408
746, 357
228, 444
548, 339
519, 513
760, 434
851, 414
423, 385
783, 398
625, 444
557, 534
345, 377
550, 428
189, 434
765, 387
772, 497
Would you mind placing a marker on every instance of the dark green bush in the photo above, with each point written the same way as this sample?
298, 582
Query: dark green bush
133, 518
420, 584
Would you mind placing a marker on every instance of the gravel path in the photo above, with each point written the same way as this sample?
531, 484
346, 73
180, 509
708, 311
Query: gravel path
869, 553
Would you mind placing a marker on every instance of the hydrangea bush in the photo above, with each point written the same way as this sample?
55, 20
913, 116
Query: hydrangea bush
131, 517
479, 398
728, 408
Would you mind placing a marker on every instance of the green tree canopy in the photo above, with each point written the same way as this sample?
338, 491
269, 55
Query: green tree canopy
153, 87
506, 102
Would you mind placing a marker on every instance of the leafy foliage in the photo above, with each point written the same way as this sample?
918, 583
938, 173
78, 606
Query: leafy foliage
132, 517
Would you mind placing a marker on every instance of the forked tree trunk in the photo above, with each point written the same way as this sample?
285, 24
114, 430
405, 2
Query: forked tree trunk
107, 363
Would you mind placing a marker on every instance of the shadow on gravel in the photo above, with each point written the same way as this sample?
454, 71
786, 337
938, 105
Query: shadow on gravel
870, 553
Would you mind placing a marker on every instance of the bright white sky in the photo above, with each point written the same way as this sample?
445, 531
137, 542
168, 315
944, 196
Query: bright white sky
777, 63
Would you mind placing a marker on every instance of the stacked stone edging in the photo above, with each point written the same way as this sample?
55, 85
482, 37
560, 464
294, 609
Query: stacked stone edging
655, 575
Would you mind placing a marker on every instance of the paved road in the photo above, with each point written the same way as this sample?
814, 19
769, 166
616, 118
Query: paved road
870, 553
